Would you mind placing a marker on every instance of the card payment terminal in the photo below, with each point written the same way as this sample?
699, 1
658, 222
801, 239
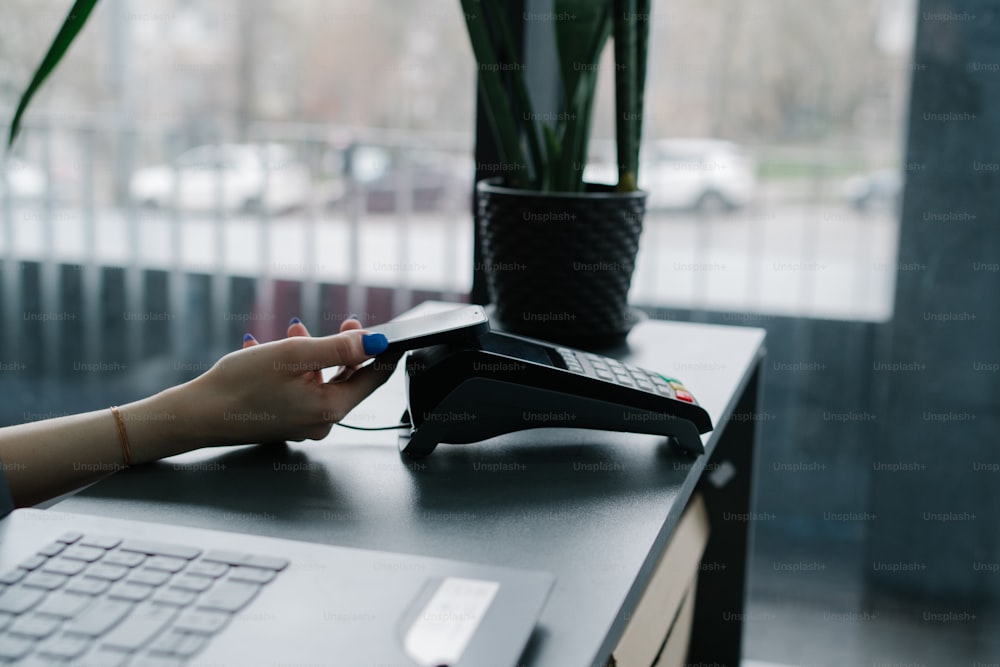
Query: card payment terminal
498, 383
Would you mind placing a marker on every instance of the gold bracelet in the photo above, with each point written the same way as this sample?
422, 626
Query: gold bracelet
122, 437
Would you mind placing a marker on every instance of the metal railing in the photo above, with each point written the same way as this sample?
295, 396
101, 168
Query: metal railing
87, 219
369, 240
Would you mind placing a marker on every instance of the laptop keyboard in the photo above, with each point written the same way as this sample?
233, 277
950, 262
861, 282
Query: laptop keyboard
94, 600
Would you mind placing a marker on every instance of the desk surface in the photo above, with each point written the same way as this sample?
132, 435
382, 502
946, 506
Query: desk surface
594, 508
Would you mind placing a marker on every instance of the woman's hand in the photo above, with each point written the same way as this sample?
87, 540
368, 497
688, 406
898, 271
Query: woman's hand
275, 391
262, 393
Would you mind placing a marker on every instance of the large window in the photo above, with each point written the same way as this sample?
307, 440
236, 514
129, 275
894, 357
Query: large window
772, 148
197, 169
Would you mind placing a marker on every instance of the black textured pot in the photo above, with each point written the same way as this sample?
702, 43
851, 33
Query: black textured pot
559, 266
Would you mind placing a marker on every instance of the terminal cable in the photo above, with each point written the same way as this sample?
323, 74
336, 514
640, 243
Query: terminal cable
375, 428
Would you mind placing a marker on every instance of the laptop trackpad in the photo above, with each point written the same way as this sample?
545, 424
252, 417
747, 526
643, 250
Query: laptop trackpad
447, 622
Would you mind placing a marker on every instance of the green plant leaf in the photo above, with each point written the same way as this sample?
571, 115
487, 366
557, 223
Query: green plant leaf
524, 109
627, 116
71, 26
575, 23
645, 7
498, 106
582, 29
575, 135
553, 146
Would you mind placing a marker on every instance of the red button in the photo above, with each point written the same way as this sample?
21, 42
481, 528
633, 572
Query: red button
684, 396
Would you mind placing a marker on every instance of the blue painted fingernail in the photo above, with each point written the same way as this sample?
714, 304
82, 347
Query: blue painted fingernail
375, 343
295, 320
353, 316
248, 337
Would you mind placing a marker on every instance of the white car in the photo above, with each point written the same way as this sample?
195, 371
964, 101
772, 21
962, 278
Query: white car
707, 175
21, 181
228, 176
876, 191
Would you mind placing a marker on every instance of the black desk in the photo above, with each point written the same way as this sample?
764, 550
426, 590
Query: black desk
594, 508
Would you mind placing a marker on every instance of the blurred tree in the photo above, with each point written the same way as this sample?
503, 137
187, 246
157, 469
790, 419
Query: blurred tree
764, 70
757, 70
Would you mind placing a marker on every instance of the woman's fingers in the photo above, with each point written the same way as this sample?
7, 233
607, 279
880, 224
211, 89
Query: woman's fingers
249, 341
346, 372
344, 395
344, 349
296, 328
350, 323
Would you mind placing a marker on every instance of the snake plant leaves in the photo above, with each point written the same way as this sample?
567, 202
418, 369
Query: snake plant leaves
582, 29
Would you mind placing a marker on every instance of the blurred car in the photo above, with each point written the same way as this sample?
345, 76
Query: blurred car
880, 190
228, 176
20, 180
435, 180
705, 175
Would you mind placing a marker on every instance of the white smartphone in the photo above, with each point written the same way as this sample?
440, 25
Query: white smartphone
458, 324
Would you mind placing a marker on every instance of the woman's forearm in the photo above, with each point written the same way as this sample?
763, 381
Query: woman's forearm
262, 393
44, 459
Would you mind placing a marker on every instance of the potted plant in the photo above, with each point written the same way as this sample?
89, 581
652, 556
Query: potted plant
558, 254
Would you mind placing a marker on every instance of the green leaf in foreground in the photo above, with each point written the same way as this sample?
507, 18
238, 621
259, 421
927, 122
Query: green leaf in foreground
71, 26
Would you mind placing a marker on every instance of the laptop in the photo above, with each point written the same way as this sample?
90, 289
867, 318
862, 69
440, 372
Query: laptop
86, 590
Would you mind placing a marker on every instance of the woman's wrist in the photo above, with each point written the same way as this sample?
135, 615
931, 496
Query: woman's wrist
165, 424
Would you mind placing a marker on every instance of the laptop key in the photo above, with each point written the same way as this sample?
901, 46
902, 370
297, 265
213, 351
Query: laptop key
229, 596
77, 552
190, 644
126, 590
268, 562
5, 619
69, 537
64, 604
167, 563
34, 626
252, 574
126, 558
65, 646
149, 577
13, 576
238, 558
159, 549
36, 660
53, 549
192, 582
64, 566
140, 627
104, 657
12, 648
46, 580
201, 622
87, 586
107, 572
208, 569
99, 617
100, 541
168, 642
17, 600
227, 557
174, 596
33, 563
